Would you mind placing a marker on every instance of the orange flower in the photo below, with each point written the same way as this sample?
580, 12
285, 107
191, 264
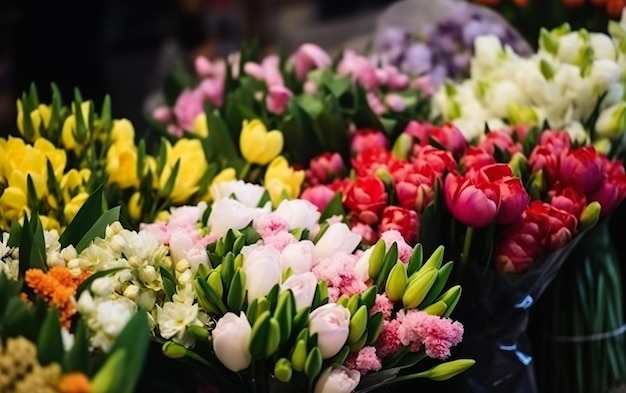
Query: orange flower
57, 287
74, 383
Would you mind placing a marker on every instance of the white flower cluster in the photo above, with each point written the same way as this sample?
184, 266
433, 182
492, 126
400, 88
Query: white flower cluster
9, 258
571, 74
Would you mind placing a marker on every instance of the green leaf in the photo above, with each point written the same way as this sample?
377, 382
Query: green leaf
105, 115
133, 339
18, 319
167, 189
220, 145
32, 245
86, 217
50, 343
31, 194
99, 228
77, 359
110, 377
338, 85
334, 207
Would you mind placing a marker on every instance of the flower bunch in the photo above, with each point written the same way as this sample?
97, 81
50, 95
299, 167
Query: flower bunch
306, 100
573, 82
44, 338
529, 198
62, 155
272, 297
443, 50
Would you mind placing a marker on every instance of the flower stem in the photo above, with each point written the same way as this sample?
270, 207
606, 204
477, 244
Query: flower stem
467, 244
244, 171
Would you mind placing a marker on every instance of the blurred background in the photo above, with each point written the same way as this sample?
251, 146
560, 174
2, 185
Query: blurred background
124, 48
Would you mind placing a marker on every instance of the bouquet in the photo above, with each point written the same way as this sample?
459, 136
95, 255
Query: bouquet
271, 299
45, 344
508, 208
436, 40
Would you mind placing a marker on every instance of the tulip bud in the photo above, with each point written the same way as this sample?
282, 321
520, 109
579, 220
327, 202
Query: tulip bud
538, 185
611, 121
215, 282
369, 296
376, 259
313, 363
418, 289
273, 337
435, 259
174, 350
353, 304
402, 146
590, 215
283, 370
437, 308
299, 354
374, 327
444, 371
442, 277
259, 334
518, 164
396, 282
200, 332
358, 324
521, 114
451, 298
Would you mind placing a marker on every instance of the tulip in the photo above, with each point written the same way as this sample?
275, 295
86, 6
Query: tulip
183, 247
277, 99
367, 139
326, 167
475, 205
331, 323
612, 191
367, 197
188, 105
259, 146
281, 180
568, 199
298, 213
230, 341
297, 257
309, 57
581, 169
611, 121
229, 214
405, 221
320, 196
247, 193
338, 238
513, 195
337, 379
262, 267
303, 287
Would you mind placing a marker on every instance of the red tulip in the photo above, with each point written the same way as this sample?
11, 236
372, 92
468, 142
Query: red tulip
448, 136
439, 160
568, 199
612, 191
543, 158
368, 161
581, 169
366, 197
501, 140
557, 141
326, 167
405, 221
367, 139
474, 204
513, 195
476, 158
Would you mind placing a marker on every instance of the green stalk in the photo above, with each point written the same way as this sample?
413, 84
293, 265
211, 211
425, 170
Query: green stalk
467, 244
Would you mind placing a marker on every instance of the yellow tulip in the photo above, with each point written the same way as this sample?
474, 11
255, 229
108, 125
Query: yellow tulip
258, 146
123, 131
74, 205
73, 182
19, 179
121, 165
13, 203
281, 179
135, 206
200, 125
39, 115
162, 216
192, 166
57, 157
67, 133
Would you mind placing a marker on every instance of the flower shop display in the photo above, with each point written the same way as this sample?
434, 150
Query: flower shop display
271, 299
44, 340
436, 40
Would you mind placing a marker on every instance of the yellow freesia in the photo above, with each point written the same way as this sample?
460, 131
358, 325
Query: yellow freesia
135, 206
74, 205
39, 115
73, 182
258, 146
121, 165
69, 126
281, 179
123, 131
192, 166
49, 223
12, 205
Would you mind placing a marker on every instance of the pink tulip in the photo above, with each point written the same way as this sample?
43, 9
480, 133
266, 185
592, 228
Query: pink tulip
271, 70
612, 191
212, 90
476, 158
375, 104
309, 57
502, 141
326, 167
543, 158
320, 196
557, 141
405, 221
474, 204
277, 99
513, 195
581, 169
446, 135
368, 139
162, 114
568, 199
395, 102
189, 104
360, 68
255, 70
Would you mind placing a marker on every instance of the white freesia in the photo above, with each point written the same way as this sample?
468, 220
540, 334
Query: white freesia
299, 213
183, 246
173, 320
489, 54
68, 339
331, 322
229, 214
247, 193
500, 96
571, 47
262, 267
303, 287
603, 46
298, 257
337, 379
337, 238
231, 337
106, 319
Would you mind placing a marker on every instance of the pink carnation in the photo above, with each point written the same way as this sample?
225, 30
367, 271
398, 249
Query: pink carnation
404, 249
338, 272
436, 333
363, 361
280, 240
382, 304
388, 342
269, 224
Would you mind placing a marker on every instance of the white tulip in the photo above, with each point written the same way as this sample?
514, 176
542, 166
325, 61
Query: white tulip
362, 265
303, 287
262, 267
337, 379
337, 238
247, 193
231, 337
186, 215
299, 213
229, 214
331, 322
298, 256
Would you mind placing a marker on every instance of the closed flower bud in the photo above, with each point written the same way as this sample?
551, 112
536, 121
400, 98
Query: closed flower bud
283, 370
230, 341
590, 215
444, 371
612, 121
174, 350
258, 146
396, 282
131, 292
